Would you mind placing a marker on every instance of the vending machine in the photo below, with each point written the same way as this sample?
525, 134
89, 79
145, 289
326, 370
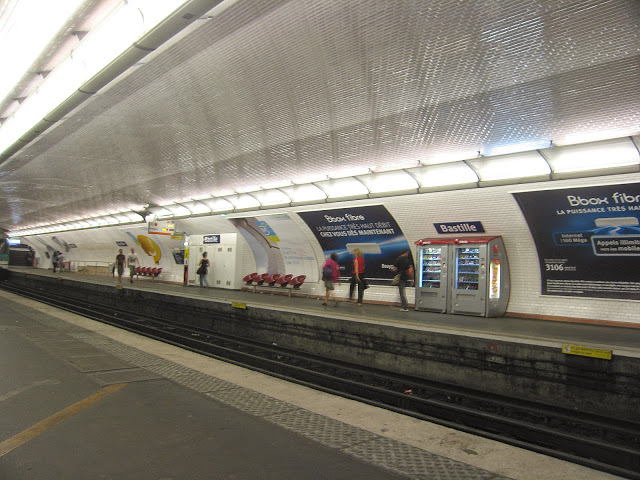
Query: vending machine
467, 276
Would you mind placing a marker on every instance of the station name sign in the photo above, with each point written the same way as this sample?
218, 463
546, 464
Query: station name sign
211, 239
459, 227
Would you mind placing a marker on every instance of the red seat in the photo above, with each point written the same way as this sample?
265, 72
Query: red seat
297, 281
147, 271
158, 271
272, 279
283, 280
154, 272
249, 278
137, 271
259, 279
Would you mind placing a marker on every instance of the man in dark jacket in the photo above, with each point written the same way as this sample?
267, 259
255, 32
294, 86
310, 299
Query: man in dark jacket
404, 268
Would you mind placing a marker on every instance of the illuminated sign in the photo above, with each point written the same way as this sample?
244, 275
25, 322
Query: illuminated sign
494, 279
211, 239
161, 228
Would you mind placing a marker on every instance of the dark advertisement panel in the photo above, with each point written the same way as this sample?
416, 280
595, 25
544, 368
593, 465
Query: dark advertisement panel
372, 229
588, 239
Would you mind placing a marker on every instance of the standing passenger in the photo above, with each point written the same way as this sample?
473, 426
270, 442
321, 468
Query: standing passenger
358, 276
120, 262
203, 270
54, 260
132, 260
403, 267
330, 275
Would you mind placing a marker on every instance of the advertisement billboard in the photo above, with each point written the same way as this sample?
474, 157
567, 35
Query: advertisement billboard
372, 229
587, 238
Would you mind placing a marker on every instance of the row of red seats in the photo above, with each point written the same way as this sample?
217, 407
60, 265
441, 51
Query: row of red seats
274, 279
148, 271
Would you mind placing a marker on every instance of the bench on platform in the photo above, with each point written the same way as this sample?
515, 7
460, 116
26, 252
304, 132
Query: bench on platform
274, 280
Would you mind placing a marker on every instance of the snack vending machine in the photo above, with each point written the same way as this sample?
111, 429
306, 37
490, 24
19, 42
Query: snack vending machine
467, 276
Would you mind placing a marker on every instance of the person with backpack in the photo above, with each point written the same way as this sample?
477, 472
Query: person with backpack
404, 269
330, 275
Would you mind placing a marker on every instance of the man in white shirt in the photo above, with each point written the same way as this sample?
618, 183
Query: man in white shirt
132, 261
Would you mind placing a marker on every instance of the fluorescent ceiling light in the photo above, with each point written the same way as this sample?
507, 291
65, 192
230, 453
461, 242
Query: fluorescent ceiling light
515, 166
444, 175
243, 201
100, 47
160, 212
343, 188
449, 157
589, 137
28, 27
386, 182
304, 193
197, 208
218, 204
177, 210
271, 198
599, 156
349, 172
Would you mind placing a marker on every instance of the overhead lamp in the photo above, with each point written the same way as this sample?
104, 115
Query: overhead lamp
444, 176
98, 49
343, 188
349, 172
300, 194
247, 188
177, 210
196, 207
448, 157
218, 205
590, 137
385, 183
242, 201
28, 34
516, 167
161, 212
599, 158
271, 198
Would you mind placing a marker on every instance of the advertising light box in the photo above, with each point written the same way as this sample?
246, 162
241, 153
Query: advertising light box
162, 228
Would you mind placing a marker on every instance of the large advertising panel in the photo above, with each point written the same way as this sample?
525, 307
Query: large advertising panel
372, 229
588, 239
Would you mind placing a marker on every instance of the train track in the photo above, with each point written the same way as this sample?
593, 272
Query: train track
597, 442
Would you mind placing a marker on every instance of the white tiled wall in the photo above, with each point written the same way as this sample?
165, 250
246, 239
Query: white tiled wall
495, 207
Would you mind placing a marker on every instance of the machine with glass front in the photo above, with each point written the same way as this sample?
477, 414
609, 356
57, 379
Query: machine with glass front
478, 283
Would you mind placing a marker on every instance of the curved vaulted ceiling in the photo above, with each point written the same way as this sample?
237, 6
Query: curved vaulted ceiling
261, 91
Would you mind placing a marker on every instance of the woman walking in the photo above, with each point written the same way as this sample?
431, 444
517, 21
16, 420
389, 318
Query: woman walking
203, 270
330, 275
357, 278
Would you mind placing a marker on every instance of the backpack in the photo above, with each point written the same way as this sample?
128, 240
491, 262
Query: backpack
327, 272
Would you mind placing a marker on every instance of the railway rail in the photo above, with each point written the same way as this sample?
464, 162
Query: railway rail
597, 442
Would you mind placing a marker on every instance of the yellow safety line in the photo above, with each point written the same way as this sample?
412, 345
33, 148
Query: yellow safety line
48, 423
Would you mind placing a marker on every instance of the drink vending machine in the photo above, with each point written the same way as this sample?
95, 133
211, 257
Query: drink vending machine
467, 276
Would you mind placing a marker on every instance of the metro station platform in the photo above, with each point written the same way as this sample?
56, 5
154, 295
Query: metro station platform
81, 399
623, 340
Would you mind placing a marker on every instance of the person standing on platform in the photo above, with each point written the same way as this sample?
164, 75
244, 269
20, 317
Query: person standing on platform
403, 267
330, 275
357, 278
120, 262
203, 269
132, 261
61, 261
54, 261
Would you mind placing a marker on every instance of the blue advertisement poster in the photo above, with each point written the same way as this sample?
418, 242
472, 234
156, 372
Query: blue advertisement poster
588, 239
372, 229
